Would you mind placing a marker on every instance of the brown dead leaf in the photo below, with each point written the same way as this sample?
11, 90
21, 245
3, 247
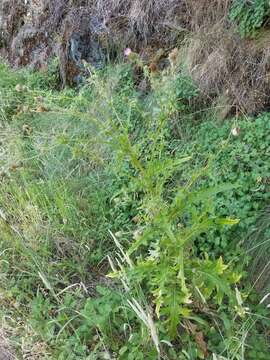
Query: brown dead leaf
199, 338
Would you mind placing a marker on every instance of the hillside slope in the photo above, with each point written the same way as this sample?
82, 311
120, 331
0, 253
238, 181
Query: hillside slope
103, 179
216, 39
134, 173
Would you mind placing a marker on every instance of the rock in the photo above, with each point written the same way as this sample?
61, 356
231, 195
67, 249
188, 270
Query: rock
81, 42
29, 47
12, 14
33, 31
77, 31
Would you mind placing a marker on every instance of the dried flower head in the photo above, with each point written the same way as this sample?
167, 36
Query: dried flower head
153, 67
39, 98
41, 109
18, 88
173, 56
27, 130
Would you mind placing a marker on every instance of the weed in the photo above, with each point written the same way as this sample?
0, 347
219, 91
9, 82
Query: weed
99, 171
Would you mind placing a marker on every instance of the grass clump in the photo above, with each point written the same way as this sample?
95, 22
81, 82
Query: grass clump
95, 182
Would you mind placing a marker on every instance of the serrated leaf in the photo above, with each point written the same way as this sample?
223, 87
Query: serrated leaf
227, 221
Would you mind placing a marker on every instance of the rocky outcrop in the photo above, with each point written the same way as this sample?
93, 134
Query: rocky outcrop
81, 41
22, 41
34, 31
231, 72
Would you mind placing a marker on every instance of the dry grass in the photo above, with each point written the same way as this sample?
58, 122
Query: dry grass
229, 71
257, 244
222, 64
143, 19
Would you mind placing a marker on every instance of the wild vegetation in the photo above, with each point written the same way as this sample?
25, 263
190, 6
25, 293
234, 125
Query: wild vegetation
134, 218
102, 183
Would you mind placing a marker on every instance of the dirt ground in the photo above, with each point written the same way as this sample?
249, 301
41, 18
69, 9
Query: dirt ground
5, 350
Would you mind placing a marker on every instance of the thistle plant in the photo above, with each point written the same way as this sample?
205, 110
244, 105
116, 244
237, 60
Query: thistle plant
170, 216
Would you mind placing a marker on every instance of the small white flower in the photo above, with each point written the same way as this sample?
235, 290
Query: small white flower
235, 131
127, 52
137, 233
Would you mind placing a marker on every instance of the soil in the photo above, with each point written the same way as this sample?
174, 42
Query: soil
5, 350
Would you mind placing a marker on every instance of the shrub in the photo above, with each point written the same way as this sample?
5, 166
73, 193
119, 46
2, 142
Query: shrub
250, 15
